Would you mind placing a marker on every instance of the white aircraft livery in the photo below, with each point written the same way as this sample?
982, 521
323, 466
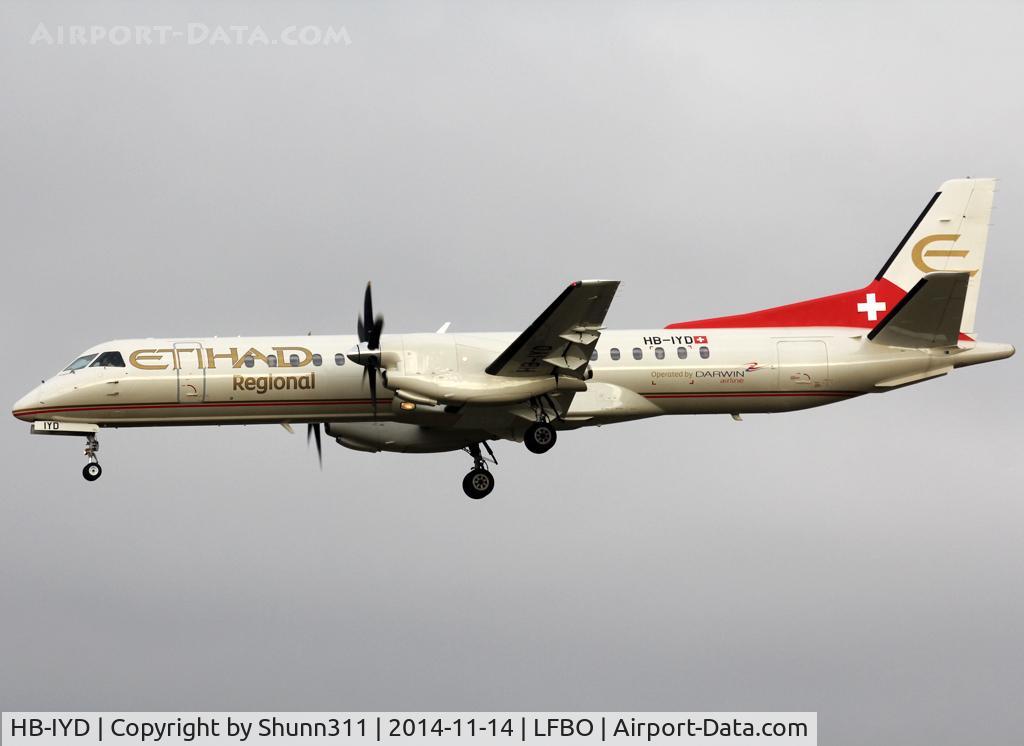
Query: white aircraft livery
423, 393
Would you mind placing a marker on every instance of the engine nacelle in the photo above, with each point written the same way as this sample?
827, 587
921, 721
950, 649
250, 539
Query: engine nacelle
483, 389
400, 437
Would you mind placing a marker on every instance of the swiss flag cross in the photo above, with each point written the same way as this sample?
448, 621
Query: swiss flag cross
700, 340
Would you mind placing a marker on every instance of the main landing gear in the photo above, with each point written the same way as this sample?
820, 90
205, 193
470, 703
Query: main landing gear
92, 470
479, 483
540, 437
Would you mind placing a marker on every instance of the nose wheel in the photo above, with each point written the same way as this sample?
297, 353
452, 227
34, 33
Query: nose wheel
479, 483
92, 470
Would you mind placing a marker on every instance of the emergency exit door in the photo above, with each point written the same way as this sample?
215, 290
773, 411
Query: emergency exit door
188, 362
803, 364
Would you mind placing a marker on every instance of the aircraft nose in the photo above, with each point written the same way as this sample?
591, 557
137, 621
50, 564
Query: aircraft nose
26, 404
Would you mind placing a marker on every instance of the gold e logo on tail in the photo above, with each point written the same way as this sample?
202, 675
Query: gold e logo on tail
918, 253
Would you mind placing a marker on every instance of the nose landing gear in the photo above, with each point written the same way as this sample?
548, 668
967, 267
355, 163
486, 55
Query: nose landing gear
479, 483
92, 470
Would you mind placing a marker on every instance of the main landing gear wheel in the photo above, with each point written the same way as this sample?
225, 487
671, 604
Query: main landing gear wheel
478, 484
92, 471
540, 437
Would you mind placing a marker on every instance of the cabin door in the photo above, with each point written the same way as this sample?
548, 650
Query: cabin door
191, 370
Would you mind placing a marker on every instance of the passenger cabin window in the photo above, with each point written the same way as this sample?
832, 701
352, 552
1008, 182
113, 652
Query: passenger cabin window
659, 352
681, 352
272, 361
638, 354
339, 358
705, 353
249, 361
293, 361
614, 352
80, 362
593, 355
317, 359
111, 359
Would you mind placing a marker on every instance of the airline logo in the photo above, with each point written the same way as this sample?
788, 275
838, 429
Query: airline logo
165, 358
921, 253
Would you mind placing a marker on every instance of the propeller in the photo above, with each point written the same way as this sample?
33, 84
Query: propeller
369, 328
313, 430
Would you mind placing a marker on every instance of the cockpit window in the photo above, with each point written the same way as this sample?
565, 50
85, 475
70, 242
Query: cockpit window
111, 359
81, 362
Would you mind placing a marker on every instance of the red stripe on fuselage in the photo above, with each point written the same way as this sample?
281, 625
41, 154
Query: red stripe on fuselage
186, 405
742, 394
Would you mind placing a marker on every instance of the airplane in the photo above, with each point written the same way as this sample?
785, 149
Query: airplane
434, 392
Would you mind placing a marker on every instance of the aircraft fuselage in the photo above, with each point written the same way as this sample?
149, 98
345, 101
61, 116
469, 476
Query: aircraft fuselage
223, 381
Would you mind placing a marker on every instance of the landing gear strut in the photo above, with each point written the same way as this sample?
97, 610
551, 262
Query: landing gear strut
479, 483
92, 470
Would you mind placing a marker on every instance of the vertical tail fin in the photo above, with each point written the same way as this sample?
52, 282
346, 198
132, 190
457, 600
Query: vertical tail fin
948, 236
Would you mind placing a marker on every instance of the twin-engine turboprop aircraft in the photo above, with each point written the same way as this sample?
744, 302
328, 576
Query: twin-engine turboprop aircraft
420, 393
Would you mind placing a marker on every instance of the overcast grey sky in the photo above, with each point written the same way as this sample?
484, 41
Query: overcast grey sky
863, 560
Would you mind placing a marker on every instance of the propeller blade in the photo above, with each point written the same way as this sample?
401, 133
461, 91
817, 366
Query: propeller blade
370, 370
369, 328
378, 327
368, 313
373, 390
313, 429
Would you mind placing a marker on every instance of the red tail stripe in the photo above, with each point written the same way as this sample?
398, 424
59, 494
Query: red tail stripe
832, 310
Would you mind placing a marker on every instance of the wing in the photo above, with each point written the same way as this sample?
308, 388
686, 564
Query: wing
560, 341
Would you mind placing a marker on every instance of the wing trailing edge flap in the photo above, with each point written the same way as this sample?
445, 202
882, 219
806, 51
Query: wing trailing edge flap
561, 339
928, 315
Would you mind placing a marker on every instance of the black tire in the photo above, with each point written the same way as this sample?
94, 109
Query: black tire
540, 437
478, 484
92, 472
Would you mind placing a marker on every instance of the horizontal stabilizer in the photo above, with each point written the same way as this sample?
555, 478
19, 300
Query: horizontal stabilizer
927, 316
